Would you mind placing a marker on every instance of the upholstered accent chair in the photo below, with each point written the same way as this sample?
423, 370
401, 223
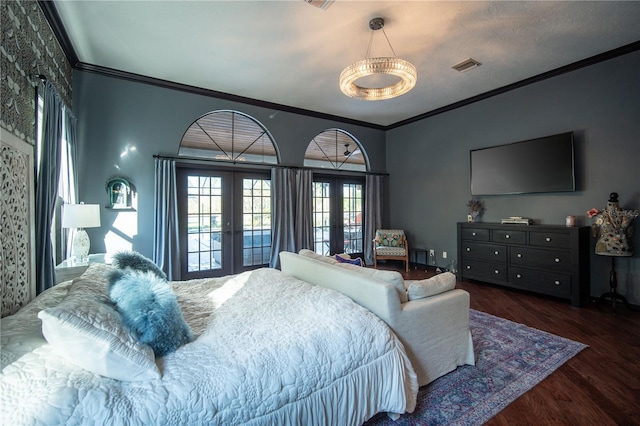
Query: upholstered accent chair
391, 244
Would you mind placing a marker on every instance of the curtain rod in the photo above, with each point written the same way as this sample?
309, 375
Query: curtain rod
196, 160
44, 79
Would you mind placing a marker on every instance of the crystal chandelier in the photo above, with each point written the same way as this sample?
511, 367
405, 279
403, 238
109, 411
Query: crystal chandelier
400, 68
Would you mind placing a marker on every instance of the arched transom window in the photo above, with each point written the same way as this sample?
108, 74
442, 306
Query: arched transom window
335, 149
229, 136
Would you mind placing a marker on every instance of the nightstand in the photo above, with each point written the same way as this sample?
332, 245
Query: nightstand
70, 269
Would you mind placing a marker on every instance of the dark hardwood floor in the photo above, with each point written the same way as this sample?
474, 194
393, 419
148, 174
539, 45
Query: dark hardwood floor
599, 386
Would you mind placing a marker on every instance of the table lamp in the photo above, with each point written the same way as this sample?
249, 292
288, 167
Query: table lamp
80, 216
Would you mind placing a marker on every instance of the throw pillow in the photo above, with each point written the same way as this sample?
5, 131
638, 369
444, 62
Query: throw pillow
431, 286
87, 330
357, 261
137, 262
149, 309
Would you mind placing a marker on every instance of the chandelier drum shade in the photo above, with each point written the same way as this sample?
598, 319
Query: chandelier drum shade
404, 71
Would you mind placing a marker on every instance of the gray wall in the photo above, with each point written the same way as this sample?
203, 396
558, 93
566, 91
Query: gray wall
114, 114
428, 161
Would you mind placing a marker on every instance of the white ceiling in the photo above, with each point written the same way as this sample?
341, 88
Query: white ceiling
291, 53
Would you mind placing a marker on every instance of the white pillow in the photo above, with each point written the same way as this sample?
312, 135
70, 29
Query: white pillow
87, 330
431, 286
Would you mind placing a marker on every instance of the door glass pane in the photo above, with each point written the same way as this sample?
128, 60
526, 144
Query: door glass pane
204, 225
352, 217
322, 218
256, 221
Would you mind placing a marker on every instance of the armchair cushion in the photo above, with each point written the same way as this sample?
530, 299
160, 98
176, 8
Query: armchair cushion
431, 286
389, 238
390, 251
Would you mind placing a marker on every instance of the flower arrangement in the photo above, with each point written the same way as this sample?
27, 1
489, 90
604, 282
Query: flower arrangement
476, 208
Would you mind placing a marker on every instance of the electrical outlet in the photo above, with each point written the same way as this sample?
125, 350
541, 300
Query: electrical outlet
444, 254
432, 253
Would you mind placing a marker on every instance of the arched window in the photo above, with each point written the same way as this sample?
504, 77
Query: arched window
229, 136
225, 215
335, 149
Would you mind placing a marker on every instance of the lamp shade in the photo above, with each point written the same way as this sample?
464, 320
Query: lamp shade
80, 215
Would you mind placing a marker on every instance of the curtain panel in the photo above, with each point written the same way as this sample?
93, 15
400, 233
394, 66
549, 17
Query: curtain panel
373, 213
292, 211
47, 186
166, 238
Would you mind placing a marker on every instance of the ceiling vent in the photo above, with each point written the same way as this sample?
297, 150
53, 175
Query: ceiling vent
322, 4
466, 65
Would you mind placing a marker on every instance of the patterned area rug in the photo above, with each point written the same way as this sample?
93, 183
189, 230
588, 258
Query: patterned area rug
511, 358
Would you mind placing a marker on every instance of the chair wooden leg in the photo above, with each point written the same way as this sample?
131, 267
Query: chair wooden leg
375, 262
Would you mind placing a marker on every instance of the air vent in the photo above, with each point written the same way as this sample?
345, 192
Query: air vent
466, 65
322, 4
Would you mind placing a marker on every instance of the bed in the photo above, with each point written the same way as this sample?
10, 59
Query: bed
267, 349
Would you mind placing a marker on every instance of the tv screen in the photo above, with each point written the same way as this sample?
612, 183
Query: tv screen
536, 165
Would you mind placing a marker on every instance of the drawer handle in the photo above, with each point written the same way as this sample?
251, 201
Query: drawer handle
474, 234
548, 239
557, 282
468, 267
468, 249
507, 236
497, 252
557, 260
496, 271
518, 276
520, 255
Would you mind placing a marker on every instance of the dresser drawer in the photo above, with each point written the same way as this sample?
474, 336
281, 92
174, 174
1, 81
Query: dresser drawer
487, 271
509, 237
551, 283
474, 234
491, 252
550, 239
538, 258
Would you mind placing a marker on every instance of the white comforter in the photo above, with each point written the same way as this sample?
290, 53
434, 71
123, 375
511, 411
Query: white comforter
270, 349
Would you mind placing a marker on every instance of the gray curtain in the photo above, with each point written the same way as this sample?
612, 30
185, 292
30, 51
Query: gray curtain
166, 241
292, 212
374, 189
304, 210
47, 186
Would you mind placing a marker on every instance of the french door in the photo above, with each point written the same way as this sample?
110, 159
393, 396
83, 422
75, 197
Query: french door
224, 221
338, 205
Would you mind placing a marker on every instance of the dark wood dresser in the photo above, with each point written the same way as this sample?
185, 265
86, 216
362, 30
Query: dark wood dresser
546, 259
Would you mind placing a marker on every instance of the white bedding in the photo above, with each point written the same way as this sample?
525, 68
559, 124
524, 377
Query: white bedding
269, 349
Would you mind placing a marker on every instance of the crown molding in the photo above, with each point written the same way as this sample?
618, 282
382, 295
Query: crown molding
629, 48
52, 16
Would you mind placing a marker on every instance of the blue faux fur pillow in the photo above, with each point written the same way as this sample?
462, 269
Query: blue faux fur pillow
137, 262
149, 309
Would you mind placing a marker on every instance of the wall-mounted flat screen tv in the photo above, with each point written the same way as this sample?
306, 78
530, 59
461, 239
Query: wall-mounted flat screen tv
536, 165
